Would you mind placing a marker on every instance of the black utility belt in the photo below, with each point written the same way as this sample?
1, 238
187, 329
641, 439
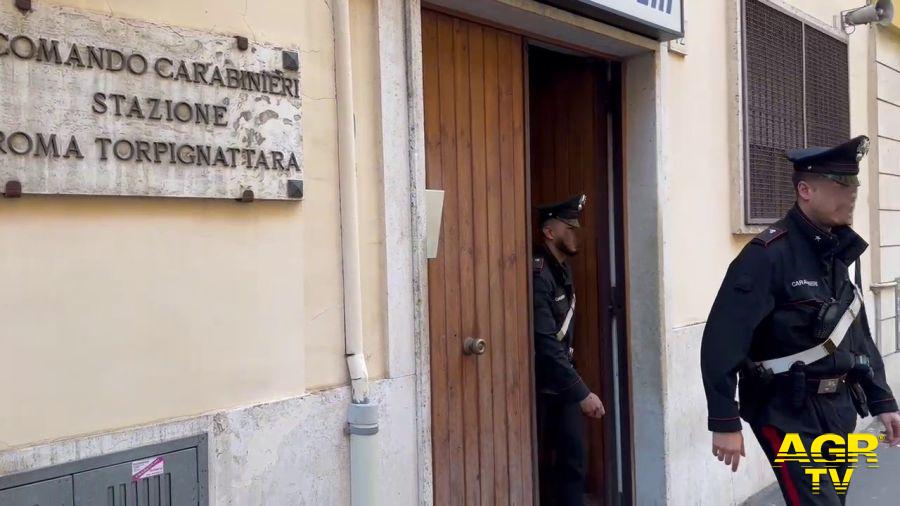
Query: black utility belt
797, 387
861, 369
802, 385
826, 385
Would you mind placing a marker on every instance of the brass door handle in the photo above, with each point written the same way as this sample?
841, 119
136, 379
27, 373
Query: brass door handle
474, 346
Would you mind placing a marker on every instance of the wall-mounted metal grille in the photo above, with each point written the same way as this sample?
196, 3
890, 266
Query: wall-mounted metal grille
827, 90
114, 485
796, 94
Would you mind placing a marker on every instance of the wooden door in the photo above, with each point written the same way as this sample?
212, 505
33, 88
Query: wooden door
569, 110
478, 284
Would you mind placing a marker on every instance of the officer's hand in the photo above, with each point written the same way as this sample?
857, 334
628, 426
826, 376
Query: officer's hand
592, 407
891, 423
729, 448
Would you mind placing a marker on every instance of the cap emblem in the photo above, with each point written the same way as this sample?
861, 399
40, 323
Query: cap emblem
862, 149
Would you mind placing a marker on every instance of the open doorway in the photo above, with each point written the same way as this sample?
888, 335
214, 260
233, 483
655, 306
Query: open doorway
574, 130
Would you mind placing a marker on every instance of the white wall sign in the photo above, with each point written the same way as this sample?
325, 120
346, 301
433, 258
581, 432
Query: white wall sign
661, 19
97, 105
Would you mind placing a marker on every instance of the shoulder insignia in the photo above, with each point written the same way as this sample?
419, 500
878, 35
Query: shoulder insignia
538, 264
770, 235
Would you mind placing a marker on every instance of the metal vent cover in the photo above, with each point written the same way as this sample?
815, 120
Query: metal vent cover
827, 90
796, 94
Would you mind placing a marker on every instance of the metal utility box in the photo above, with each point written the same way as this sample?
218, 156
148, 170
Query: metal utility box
56, 492
167, 474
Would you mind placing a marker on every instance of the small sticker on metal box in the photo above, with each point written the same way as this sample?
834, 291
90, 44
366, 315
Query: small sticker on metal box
141, 469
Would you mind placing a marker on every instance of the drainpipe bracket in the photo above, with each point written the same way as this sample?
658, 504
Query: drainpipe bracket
363, 414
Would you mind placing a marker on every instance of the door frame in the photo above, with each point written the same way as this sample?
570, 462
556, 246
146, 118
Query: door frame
622, 460
639, 261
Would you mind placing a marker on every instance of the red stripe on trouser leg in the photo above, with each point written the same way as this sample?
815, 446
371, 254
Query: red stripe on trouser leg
771, 434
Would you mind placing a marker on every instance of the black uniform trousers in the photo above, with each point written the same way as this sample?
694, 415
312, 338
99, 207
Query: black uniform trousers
796, 485
561, 443
833, 414
830, 413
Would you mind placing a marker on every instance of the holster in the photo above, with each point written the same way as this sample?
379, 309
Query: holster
756, 388
797, 385
860, 373
859, 399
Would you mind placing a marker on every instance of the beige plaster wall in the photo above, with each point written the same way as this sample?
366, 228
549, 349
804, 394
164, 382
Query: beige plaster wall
118, 311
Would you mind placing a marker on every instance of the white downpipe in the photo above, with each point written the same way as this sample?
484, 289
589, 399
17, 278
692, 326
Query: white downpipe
356, 362
362, 416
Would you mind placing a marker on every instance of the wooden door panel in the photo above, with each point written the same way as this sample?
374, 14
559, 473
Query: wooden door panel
495, 225
475, 152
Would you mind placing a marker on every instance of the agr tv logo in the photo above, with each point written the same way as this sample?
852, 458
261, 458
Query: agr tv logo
827, 454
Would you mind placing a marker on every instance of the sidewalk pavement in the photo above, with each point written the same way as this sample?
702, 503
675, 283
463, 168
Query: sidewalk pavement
869, 487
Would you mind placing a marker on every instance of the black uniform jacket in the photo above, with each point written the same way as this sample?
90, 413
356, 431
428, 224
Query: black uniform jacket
767, 307
553, 292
